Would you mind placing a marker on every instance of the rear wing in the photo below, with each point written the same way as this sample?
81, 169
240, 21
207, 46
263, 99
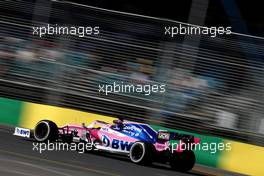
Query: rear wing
167, 136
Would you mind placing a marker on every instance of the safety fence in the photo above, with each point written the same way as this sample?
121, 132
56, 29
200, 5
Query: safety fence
214, 85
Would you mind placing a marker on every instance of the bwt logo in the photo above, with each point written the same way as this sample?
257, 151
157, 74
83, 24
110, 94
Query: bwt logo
105, 141
122, 145
22, 132
116, 144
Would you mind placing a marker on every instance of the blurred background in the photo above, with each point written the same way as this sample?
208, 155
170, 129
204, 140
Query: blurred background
213, 85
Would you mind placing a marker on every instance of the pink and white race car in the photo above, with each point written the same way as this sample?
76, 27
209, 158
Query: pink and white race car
139, 141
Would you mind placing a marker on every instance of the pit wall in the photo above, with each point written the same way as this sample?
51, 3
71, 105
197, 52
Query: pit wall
242, 158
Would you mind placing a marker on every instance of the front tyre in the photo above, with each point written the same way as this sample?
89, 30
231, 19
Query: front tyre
141, 153
184, 161
46, 130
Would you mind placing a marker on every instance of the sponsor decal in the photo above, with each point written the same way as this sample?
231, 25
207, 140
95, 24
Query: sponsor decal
131, 133
116, 144
105, 140
164, 135
132, 128
23, 132
104, 129
121, 145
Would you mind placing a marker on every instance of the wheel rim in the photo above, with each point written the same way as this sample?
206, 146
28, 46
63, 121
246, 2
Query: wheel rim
137, 152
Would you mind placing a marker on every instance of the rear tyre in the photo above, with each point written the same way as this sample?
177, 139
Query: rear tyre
141, 153
46, 130
184, 161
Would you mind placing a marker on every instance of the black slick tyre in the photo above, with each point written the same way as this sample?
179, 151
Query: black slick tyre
141, 153
46, 130
184, 161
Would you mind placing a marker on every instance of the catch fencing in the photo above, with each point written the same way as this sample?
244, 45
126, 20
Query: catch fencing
213, 85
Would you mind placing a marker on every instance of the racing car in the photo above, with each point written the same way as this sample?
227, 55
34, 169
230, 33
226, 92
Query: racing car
140, 142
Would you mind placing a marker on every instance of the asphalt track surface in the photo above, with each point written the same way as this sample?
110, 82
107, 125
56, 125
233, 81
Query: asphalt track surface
17, 158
